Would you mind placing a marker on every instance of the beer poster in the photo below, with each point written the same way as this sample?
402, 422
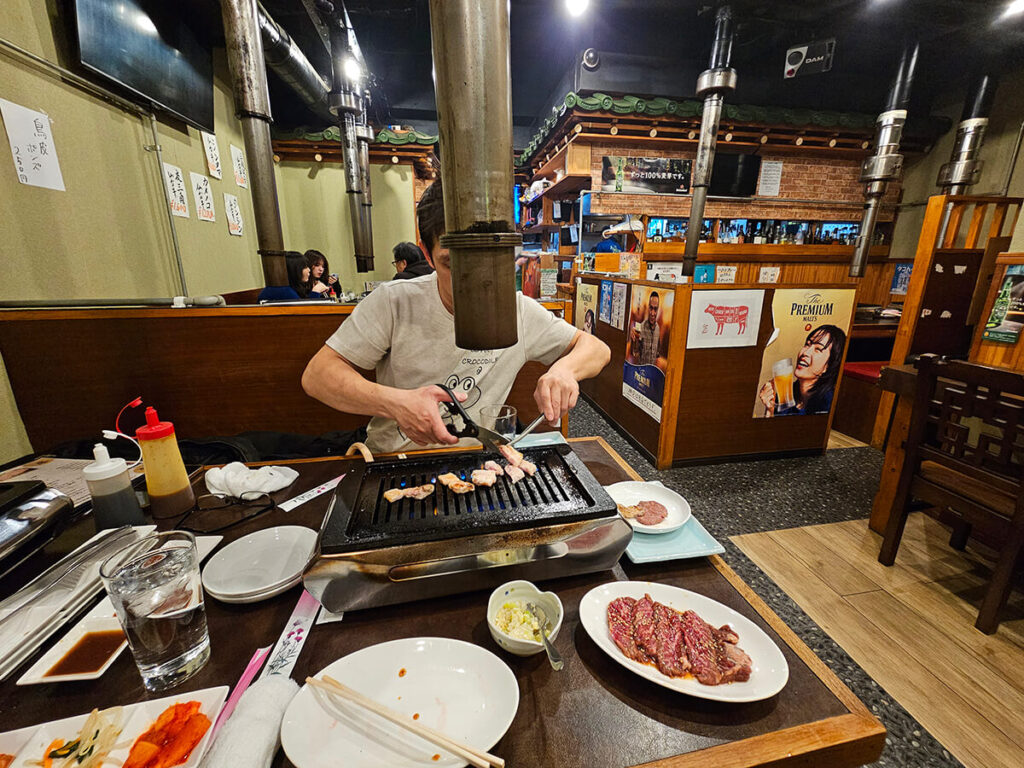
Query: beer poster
804, 355
647, 332
586, 307
1007, 316
645, 175
724, 319
605, 312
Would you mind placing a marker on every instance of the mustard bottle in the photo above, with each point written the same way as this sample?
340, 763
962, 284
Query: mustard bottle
170, 492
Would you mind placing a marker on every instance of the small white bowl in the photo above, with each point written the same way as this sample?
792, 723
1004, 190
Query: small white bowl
548, 602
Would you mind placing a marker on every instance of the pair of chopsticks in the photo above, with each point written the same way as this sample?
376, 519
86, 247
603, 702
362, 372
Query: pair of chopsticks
324, 691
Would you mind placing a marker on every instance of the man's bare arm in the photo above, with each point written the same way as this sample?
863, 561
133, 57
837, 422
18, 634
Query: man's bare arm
334, 381
558, 389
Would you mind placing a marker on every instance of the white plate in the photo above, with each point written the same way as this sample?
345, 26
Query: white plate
135, 720
37, 672
770, 670
456, 687
259, 562
631, 492
259, 596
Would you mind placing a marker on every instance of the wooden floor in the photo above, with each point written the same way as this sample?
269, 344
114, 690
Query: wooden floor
911, 627
839, 440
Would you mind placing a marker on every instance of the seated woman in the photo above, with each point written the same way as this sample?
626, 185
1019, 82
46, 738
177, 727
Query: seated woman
298, 281
322, 284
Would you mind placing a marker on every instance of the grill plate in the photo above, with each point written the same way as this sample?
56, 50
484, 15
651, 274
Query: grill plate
563, 490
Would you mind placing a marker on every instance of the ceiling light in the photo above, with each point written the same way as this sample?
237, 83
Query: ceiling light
352, 69
577, 7
1014, 8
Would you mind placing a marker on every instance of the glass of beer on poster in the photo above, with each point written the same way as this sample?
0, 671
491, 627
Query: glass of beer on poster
782, 378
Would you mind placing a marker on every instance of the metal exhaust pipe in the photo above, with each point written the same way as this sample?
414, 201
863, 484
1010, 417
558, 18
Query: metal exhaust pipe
288, 61
886, 164
470, 40
712, 85
964, 166
347, 104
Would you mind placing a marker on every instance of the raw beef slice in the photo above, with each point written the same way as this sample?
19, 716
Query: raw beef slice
703, 649
671, 658
652, 513
620, 625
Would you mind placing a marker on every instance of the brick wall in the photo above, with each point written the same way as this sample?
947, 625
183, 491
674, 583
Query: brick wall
832, 181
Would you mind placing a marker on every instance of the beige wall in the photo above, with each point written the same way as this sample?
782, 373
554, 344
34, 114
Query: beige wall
1000, 137
107, 235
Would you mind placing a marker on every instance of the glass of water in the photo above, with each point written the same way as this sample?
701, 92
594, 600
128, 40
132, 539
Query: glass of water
500, 419
156, 590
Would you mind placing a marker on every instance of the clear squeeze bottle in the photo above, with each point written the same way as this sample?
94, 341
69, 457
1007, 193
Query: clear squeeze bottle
114, 502
170, 492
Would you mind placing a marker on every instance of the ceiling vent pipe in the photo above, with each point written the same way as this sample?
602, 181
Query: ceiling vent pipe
252, 107
964, 166
346, 101
886, 164
712, 85
284, 56
472, 82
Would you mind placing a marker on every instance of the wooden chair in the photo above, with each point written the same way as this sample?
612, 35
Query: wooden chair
965, 452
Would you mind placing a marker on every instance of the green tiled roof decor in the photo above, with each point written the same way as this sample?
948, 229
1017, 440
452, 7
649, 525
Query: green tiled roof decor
333, 133
655, 107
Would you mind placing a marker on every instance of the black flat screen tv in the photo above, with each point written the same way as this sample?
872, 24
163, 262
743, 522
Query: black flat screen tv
734, 175
147, 47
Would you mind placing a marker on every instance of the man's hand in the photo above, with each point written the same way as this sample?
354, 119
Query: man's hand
556, 392
418, 416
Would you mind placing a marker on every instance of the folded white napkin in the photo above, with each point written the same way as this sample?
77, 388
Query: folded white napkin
250, 737
235, 478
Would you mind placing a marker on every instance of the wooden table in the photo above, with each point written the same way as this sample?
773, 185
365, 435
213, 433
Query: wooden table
594, 713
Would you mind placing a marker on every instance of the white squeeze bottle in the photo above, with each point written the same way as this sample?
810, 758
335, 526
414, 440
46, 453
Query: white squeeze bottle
114, 502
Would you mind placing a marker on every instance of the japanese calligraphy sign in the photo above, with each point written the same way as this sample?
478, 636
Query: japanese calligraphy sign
176, 190
203, 196
657, 175
212, 154
234, 214
32, 147
238, 163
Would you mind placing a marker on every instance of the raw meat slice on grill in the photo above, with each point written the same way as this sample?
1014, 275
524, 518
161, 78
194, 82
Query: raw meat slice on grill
512, 456
455, 483
652, 513
515, 474
620, 626
394, 494
528, 467
484, 477
413, 492
494, 466
668, 633
644, 620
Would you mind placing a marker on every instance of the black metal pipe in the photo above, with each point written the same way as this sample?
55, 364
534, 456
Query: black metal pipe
712, 85
288, 61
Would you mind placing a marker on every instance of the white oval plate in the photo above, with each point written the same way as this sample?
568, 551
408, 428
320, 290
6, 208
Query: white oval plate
456, 687
37, 673
259, 562
769, 670
257, 597
630, 492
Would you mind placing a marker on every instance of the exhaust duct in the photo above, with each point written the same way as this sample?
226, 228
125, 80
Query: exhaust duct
289, 63
964, 166
886, 164
472, 81
712, 85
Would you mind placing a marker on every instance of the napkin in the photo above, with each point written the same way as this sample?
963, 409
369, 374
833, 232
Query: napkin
235, 478
250, 736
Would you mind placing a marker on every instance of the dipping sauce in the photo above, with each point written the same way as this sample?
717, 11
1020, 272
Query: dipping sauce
89, 654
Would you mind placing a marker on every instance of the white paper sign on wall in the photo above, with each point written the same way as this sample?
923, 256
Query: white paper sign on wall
724, 319
238, 163
725, 274
771, 178
769, 275
203, 196
32, 147
175, 182
234, 214
212, 154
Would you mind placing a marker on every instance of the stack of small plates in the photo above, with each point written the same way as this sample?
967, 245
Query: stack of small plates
260, 565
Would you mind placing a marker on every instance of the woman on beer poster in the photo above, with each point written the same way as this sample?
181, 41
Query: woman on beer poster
807, 387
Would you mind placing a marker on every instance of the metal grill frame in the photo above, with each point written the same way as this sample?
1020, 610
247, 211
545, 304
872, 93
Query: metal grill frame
351, 525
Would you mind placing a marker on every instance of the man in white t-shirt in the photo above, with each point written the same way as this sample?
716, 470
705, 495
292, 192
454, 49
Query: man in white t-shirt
405, 331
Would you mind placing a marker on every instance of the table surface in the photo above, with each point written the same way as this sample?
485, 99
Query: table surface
592, 713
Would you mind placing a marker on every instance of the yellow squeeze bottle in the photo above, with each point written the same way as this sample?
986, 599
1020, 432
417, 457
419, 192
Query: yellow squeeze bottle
170, 492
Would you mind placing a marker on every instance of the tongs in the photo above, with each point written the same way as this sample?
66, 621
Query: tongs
490, 439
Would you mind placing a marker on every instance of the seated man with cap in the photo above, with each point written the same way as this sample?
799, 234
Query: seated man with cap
405, 331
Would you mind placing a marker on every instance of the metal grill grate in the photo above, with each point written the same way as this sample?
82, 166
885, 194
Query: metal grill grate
562, 490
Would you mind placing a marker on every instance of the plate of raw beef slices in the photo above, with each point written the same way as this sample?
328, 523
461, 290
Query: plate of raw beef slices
684, 641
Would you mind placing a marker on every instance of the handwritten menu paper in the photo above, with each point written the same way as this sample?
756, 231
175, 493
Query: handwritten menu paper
725, 274
771, 178
212, 154
32, 147
234, 214
619, 305
203, 196
176, 190
238, 163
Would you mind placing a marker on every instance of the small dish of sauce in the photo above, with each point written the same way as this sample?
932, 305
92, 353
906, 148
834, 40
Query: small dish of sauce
89, 654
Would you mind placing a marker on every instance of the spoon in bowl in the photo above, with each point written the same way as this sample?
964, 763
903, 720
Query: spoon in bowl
553, 656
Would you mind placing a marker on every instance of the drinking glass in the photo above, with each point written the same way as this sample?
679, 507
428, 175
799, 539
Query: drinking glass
156, 590
782, 373
500, 419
